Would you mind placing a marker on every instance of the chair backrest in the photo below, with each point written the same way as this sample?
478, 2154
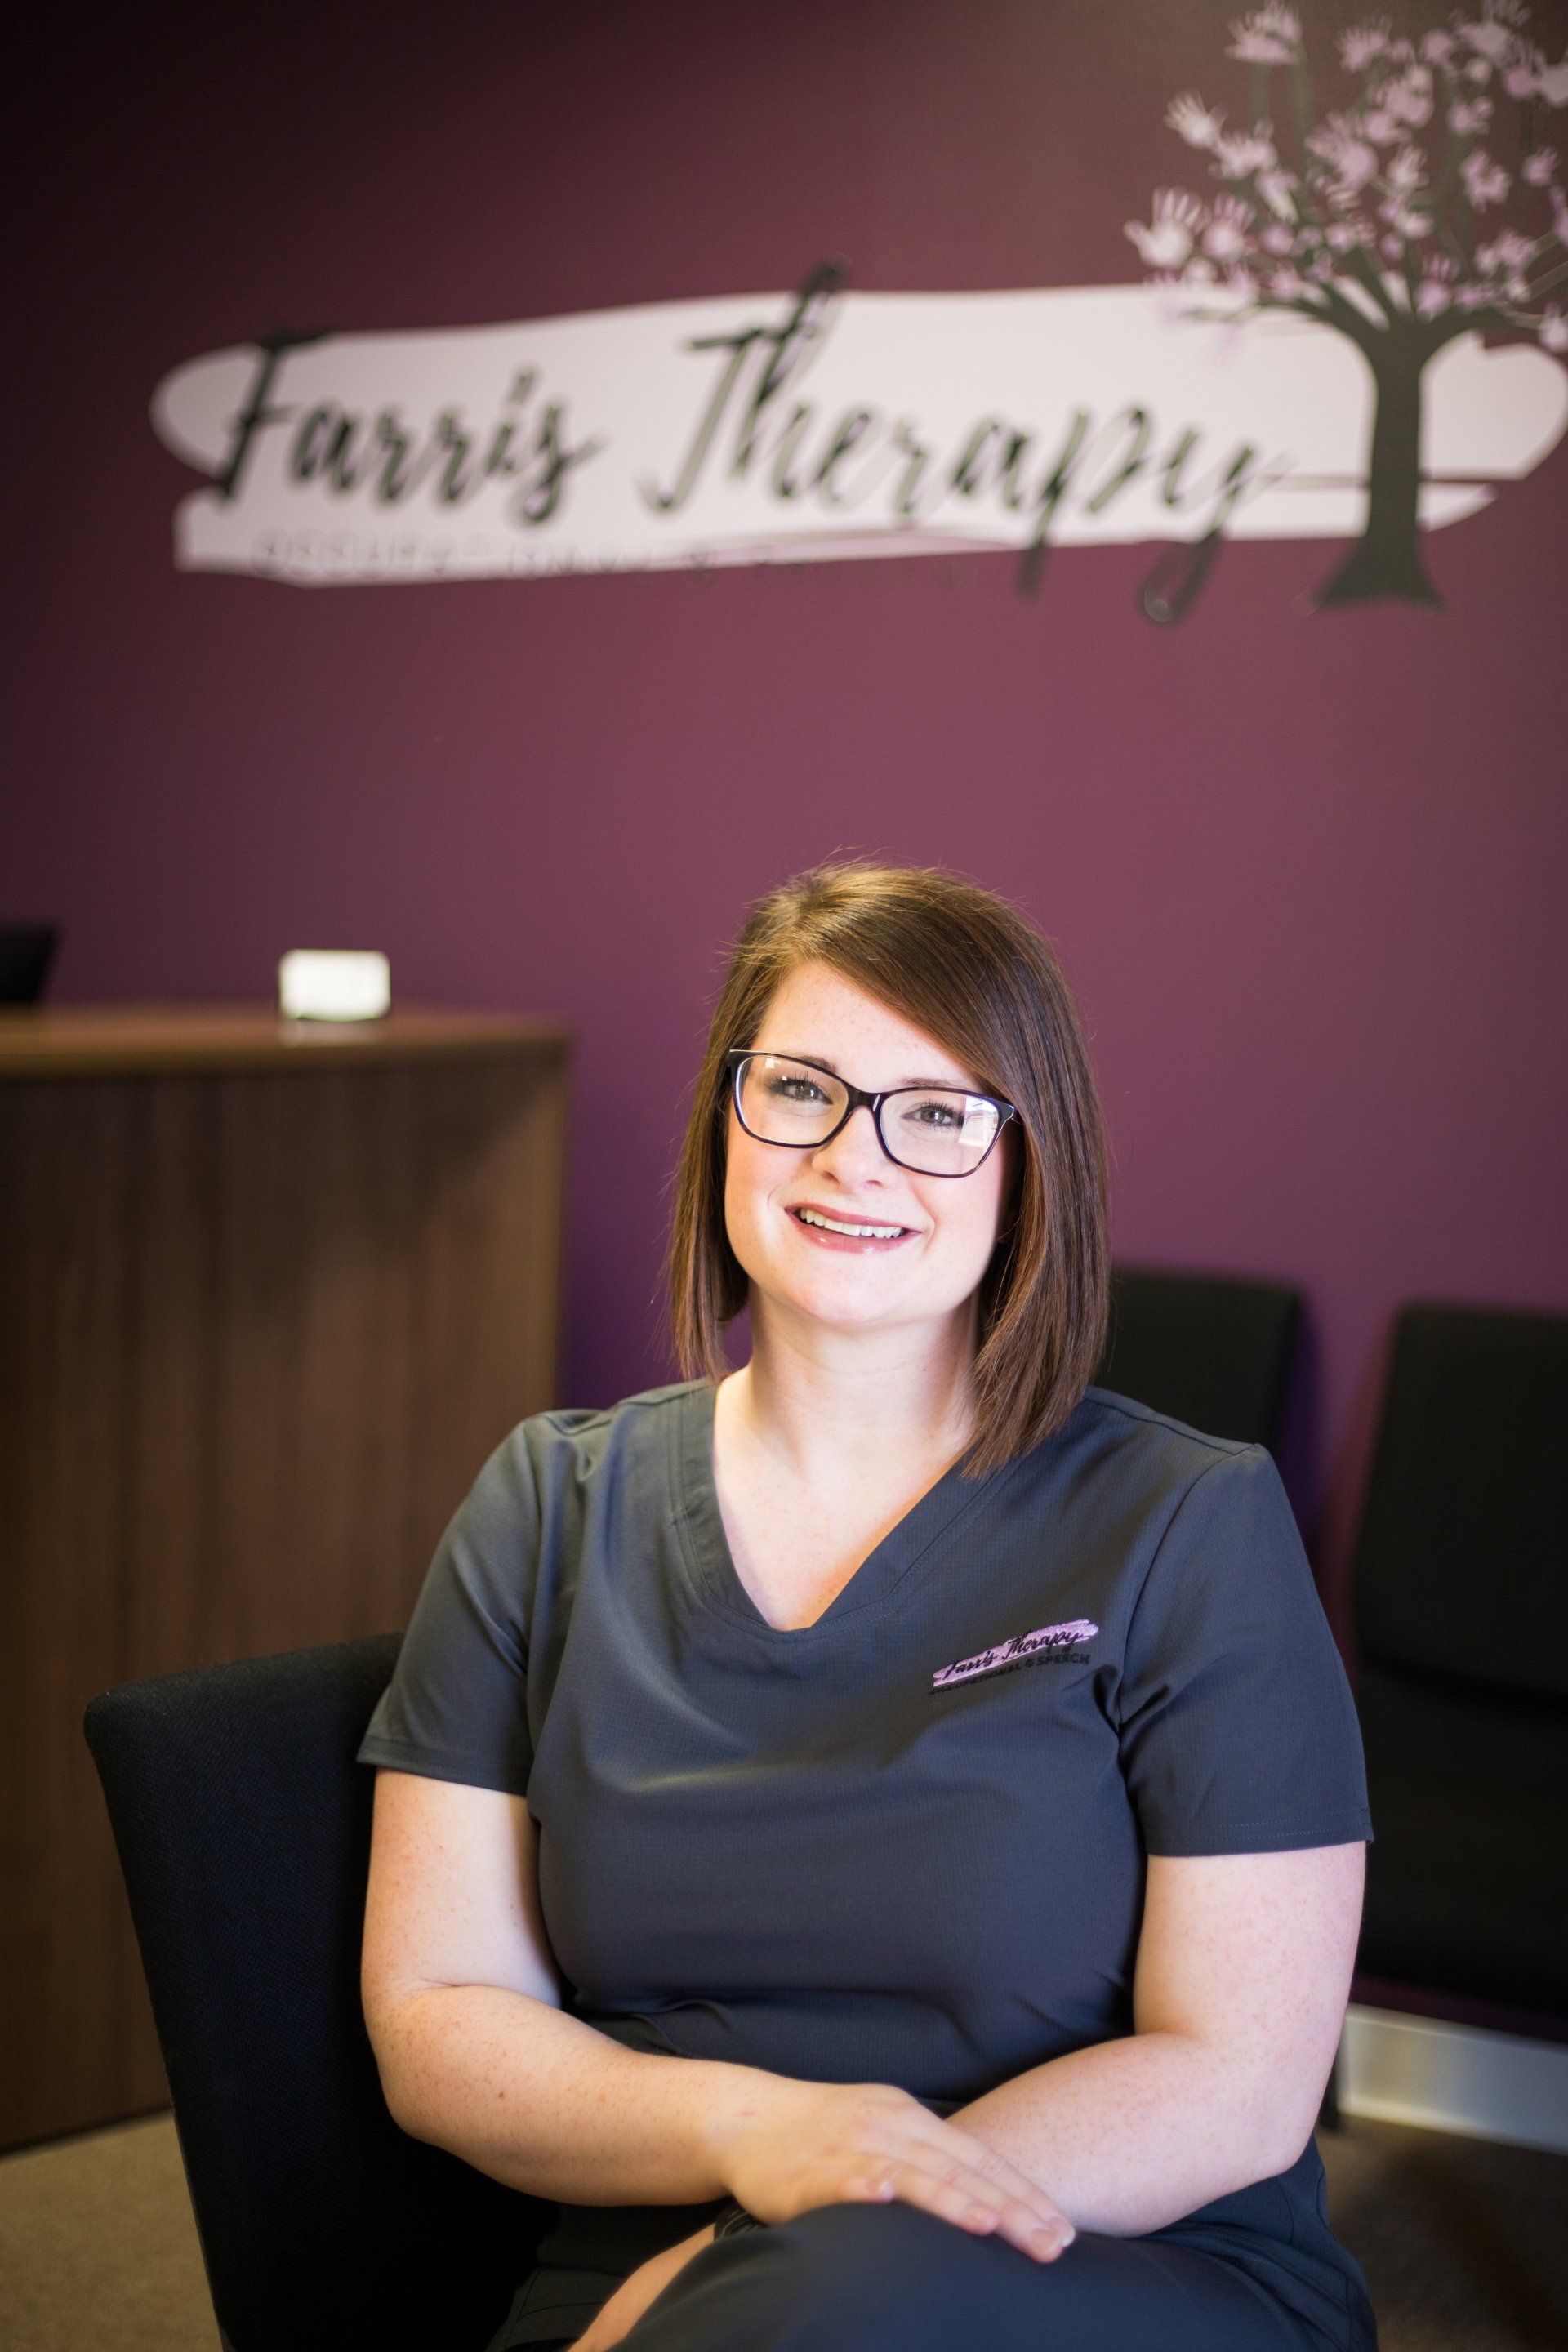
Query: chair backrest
243, 1826
1213, 1349
1459, 1595
1461, 1568
26, 951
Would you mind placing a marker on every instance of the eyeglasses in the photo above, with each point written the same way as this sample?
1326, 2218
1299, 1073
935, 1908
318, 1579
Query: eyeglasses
934, 1131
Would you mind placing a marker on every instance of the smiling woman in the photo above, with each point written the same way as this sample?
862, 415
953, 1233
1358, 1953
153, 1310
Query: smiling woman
956, 990
876, 1834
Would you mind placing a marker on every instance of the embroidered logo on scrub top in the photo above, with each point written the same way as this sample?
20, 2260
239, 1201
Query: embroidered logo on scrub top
1046, 1642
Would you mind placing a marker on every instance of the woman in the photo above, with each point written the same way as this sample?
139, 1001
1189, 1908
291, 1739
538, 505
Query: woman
895, 1806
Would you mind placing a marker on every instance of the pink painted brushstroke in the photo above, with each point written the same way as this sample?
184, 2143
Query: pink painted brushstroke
1065, 1636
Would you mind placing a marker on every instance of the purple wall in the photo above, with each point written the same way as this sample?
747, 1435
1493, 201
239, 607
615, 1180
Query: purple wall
1305, 869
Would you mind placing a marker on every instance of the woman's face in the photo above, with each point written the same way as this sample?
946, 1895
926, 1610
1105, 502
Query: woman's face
947, 1225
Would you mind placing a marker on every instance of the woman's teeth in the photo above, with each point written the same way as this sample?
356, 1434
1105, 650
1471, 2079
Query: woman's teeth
857, 1233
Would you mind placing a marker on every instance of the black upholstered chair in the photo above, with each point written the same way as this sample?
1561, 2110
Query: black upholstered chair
1212, 1349
243, 1824
1459, 1589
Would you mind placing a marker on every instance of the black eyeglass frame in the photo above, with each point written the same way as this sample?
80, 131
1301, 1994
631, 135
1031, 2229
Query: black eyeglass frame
737, 1056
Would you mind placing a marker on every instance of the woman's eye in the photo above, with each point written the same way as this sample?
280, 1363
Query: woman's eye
795, 1090
936, 1113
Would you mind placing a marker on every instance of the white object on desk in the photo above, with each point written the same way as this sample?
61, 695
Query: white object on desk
333, 984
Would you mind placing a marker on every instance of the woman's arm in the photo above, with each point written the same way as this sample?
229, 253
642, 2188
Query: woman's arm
463, 2004
1242, 1974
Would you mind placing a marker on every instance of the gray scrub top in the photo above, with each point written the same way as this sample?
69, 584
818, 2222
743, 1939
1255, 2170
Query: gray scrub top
905, 1843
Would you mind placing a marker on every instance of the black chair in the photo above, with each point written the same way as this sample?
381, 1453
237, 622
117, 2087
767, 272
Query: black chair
1459, 1588
243, 1825
26, 951
1212, 1349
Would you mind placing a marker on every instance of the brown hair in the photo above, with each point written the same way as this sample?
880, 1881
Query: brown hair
975, 974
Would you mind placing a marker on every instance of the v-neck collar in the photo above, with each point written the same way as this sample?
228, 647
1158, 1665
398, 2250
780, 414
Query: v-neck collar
706, 1548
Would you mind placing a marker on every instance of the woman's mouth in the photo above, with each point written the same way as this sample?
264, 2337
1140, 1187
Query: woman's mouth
840, 1232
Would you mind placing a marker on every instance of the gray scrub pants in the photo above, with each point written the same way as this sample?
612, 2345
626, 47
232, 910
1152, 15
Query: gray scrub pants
856, 2277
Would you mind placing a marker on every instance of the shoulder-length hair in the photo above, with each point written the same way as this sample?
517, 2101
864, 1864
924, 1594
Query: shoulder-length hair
975, 974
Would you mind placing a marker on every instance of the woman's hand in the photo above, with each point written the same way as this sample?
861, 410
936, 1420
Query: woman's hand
792, 2146
620, 2315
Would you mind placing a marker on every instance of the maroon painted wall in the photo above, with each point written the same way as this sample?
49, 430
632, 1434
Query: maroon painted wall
1306, 869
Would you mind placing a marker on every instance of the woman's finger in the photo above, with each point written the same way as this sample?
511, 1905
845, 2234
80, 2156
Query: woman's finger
958, 2156
969, 2201
1033, 2222
996, 2167
975, 2205
933, 2131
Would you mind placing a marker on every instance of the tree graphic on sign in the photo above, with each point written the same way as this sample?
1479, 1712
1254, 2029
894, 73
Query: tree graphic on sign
1428, 207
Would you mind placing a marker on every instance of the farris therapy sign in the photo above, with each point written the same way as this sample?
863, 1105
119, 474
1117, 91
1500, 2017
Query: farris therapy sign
1318, 354
819, 426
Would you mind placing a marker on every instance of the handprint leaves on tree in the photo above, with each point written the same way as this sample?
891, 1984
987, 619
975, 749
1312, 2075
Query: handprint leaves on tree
1428, 206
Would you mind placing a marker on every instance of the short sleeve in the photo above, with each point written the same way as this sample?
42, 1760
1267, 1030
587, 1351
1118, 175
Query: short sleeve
456, 1708
1238, 1730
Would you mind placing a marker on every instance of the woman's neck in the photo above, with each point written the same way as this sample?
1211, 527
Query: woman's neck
834, 1407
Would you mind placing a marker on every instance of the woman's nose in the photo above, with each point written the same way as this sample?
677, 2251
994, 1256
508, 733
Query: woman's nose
855, 1152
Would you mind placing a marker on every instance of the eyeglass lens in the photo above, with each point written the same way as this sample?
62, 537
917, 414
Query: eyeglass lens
930, 1130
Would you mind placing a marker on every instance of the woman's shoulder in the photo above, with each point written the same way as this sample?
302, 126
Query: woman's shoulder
535, 1484
1125, 1476
583, 1437
640, 1411
1126, 1439
1187, 1504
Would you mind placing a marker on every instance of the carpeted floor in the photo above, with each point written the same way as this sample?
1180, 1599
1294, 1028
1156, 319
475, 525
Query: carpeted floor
1465, 2243
97, 2246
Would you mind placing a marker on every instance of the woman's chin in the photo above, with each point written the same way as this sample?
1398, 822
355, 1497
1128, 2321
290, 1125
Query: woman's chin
855, 1299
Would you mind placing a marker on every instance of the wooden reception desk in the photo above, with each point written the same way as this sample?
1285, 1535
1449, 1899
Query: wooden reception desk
270, 1293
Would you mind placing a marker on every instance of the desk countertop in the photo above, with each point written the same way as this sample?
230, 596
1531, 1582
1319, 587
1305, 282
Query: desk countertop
124, 1040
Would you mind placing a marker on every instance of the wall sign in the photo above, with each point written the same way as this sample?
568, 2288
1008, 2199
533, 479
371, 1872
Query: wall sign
1307, 362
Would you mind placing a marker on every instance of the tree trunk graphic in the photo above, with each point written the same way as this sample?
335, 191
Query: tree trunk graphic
1387, 559
1426, 208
